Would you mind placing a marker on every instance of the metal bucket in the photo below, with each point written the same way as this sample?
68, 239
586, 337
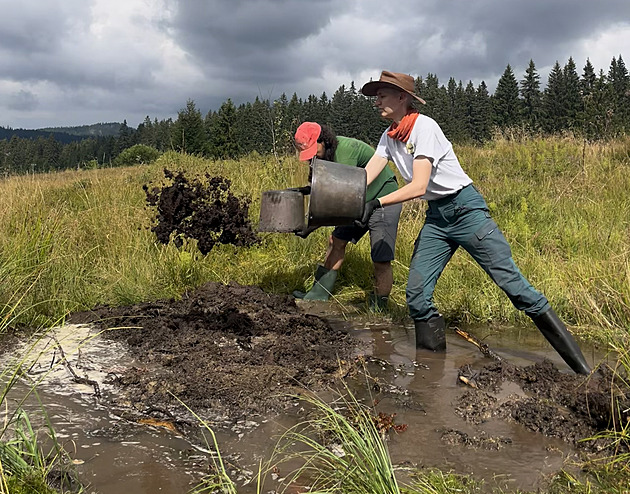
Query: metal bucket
337, 194
281, 211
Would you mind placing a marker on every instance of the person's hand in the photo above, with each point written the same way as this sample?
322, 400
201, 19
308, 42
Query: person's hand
306, 190
306, 231
368, 209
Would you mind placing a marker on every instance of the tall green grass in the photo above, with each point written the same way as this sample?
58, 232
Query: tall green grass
28, 456
82, 238
339, 449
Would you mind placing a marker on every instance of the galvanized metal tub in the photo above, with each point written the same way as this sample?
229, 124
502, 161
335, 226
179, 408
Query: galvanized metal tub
337, 194
281, 211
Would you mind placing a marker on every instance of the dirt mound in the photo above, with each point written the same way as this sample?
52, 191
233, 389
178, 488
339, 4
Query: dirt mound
545, 400
231, 350
203, 209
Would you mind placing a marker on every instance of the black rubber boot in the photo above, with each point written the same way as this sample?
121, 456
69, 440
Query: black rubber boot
430, 334
322, 287
562, 341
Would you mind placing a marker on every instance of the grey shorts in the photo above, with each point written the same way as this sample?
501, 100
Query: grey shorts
383, 228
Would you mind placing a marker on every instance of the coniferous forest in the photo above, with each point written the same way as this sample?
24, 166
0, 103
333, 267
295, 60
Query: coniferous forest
592, 104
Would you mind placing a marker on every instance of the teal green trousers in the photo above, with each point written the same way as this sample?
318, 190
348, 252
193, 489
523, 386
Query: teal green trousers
463, 219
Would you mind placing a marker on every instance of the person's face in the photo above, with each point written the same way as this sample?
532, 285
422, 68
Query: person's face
320, 150
391, 103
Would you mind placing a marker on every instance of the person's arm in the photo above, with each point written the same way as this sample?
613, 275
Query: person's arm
416, 188
374, 167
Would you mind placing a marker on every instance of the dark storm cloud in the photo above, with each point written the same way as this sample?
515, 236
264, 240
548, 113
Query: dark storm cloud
479, 38
241, 40
104, 60
248, 43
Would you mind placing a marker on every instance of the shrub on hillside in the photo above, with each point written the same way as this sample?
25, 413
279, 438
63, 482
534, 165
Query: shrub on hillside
137, 155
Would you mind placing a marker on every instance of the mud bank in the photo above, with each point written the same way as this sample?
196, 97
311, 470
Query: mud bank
226, 351
543, 399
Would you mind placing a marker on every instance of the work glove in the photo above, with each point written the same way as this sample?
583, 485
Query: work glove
368, 209
306, 231
306, 190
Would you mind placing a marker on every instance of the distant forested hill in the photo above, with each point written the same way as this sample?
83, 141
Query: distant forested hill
65, 138
94, 130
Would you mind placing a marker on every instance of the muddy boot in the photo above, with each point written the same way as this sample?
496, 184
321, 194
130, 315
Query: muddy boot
323, 286
430, 334
562, 341
378, 303
321, 270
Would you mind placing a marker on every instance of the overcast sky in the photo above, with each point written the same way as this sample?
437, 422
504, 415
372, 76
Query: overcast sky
77, 62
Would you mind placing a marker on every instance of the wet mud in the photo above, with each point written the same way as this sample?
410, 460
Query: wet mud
199, 208
228, 352
233, 353
544, 400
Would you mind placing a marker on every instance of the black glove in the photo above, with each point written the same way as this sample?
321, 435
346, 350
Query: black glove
368, 209
306, 231
306, 190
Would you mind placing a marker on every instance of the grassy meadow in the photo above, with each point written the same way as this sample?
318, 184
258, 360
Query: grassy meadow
73, 240
76, 239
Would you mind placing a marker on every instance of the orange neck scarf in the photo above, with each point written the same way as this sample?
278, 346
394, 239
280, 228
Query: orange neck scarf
401, 130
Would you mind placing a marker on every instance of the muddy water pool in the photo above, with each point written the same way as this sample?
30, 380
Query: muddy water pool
114, 454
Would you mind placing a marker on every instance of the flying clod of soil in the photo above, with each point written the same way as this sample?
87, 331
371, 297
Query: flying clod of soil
203, 209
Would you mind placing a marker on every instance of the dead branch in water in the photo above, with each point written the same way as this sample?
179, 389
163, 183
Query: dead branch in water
75, 377
483, 348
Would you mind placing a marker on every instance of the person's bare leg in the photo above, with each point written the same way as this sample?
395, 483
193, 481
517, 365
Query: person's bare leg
335, 254
383, 278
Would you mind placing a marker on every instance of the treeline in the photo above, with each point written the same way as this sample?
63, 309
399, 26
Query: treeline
593, 104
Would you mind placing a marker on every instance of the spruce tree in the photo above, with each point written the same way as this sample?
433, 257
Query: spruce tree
223, 135
189, 131
618, 94
484, 101
553, 111
531, 97
506, 102
572, 99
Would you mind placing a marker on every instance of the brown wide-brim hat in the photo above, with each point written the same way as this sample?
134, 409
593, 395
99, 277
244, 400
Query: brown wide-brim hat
402, 82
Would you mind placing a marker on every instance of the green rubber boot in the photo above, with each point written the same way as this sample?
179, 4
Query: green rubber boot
378, 303
323, 286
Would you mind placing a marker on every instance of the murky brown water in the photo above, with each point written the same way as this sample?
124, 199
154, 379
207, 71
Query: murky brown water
115, 455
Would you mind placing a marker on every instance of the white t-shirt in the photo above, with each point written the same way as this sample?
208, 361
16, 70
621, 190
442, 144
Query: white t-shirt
426, 140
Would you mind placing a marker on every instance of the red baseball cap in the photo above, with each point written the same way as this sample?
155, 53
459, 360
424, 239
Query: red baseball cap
306, 137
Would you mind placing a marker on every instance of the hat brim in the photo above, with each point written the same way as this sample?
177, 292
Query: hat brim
371, 88
308, 153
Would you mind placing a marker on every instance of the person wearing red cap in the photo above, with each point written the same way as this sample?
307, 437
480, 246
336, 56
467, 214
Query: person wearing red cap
457, 215
315, 140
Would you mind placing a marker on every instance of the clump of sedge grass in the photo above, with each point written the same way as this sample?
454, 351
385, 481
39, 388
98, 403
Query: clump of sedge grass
340, 449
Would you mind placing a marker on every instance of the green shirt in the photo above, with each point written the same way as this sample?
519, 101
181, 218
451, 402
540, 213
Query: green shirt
354, 152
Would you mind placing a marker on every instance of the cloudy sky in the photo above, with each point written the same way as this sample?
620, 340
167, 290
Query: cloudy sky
77, 62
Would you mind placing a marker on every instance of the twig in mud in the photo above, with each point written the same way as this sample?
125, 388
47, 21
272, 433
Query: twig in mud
469, 382
75, 377
483, 348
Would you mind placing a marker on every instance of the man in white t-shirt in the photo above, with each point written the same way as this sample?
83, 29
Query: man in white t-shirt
457, 215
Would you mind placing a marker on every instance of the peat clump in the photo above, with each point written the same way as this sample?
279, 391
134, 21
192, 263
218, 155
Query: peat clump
203, 209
